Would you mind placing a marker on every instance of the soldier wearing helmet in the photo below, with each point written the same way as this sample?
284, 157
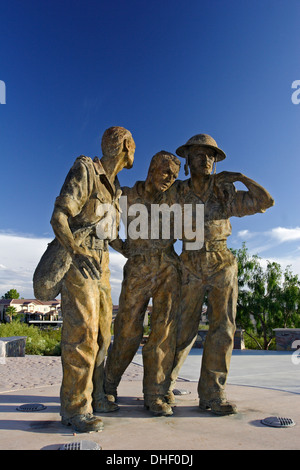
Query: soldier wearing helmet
212, 269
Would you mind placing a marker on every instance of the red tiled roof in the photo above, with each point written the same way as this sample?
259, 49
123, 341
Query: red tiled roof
28, 301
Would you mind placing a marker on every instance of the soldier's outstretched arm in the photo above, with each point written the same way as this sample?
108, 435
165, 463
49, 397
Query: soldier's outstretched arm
262, 196
256, 199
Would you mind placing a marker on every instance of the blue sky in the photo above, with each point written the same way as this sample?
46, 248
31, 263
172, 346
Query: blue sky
164, 70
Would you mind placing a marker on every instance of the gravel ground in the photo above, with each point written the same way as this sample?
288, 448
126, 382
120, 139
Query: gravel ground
19, 373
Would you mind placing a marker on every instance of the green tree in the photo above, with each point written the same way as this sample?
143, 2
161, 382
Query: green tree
247, 265
265, 301
290, 300
11, 294
268, 298
10, 311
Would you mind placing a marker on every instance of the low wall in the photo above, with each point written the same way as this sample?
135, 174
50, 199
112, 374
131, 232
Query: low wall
13, 346
238, 339
287, 339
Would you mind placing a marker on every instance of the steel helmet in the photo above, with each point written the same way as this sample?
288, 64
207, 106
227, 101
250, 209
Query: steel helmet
202, 140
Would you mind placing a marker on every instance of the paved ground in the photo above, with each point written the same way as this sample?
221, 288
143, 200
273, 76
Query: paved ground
262, 385
264, 369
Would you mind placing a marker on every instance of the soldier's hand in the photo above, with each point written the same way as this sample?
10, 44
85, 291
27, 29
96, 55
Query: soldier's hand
224, 186
87, 265
229, 177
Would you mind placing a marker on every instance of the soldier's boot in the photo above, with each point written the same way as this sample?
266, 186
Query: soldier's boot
219, 406
84, 423
111, 393
104, 405
157, 405
170, 398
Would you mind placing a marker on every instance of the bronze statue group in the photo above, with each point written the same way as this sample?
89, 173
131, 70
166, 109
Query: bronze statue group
76, 265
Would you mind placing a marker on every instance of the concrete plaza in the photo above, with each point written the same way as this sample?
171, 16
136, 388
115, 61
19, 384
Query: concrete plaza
262, 384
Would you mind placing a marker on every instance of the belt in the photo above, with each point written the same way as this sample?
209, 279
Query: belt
94, 243
153, 251
215, 245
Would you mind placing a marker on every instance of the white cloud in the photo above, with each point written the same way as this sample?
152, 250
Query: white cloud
245, 234
292, 261
21, 252
277, 234
19, 255
279, 242
283, 234
270, 239
116, 264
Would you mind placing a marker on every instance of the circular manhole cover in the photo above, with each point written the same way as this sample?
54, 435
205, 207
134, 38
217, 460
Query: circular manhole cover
178, 391
29, 407
81, 445
278, 422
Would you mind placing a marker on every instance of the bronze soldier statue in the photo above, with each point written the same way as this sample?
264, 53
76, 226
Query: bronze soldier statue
85, 287
151, 271
212, 269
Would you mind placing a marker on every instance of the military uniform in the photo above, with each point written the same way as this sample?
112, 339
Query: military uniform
212, 270
152, 270
86, 303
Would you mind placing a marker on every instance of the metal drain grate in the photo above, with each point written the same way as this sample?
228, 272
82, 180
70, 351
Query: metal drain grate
81, 445
177, 391
278, 422
29, 407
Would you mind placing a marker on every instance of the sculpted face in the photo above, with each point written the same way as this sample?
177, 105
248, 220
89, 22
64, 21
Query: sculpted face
201, 160
164, 175
130, 146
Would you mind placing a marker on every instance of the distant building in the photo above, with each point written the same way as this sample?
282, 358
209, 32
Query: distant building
36, 311
33, 309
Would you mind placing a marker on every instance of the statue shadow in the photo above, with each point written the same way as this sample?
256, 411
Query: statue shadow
38, 426
133, 407
34, 421
51, 403
129, 408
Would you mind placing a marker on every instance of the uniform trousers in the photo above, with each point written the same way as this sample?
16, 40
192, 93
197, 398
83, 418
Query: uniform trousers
87, 316
214, 273
145, 276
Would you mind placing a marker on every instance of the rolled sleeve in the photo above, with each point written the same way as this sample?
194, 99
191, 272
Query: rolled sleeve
75, 190
244, 204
